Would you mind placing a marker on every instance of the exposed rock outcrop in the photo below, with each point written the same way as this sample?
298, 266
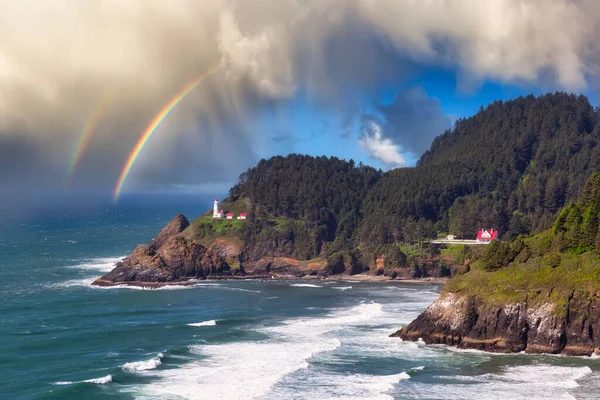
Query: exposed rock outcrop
532, 326
168, 258
283, 267
173, 228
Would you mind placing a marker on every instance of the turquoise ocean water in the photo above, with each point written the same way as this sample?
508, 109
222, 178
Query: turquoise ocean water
63, 339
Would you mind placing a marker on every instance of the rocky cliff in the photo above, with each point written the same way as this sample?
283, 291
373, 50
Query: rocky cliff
538, 294
169, 258
531, 326
177, 256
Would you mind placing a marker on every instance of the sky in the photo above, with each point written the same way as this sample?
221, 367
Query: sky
370, 80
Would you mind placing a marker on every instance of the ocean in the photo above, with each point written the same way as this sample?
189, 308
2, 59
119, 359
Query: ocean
61, 338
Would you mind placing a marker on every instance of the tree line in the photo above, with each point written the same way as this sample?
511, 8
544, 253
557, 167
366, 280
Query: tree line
512, 166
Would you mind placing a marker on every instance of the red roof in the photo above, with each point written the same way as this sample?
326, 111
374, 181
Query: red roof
229, 214
242, 214
487, 234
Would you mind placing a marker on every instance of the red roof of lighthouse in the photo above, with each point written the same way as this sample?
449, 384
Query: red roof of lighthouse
487, 234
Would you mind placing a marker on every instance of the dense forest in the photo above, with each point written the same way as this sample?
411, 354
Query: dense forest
511, 167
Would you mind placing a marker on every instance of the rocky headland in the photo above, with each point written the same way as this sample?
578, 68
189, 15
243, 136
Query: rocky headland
178, 255
532, 325
175, 258
537, 294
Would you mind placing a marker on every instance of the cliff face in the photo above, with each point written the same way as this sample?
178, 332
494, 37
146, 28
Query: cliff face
174, 257
169, 258
173, 228
532, 325
538, 294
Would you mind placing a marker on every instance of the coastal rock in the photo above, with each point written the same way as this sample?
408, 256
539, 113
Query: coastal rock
284, 267
168, 258
469, 323
173, 228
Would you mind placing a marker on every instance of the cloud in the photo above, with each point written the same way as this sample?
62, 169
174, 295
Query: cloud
255, 57
413, 119
505, 40
379, 147
57, 60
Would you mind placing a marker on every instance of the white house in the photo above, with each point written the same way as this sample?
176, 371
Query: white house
242, 216
229, 216
450, 237
216, 212
485, 236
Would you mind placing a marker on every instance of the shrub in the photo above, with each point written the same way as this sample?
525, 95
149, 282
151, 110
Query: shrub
335, 264
394, 258
496, 255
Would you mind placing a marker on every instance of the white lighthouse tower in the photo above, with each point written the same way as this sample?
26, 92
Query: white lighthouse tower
216, 212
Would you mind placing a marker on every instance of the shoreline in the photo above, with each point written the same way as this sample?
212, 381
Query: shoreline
345, 278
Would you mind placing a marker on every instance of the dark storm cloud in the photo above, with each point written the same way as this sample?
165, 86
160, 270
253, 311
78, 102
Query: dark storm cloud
57, 62
413, 119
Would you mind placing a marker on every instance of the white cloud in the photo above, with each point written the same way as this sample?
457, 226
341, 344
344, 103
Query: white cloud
259, 57
507, 40
383, 149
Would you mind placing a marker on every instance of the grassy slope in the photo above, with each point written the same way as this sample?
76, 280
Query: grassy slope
538, 274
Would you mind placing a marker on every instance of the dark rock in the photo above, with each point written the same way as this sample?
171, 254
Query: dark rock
463, 321
169, 258
173, 228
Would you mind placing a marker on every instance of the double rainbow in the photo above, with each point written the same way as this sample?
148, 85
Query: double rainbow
158, 119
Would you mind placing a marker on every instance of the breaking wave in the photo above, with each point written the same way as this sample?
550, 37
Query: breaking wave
99, 381
212, 322
310, 285
143, 365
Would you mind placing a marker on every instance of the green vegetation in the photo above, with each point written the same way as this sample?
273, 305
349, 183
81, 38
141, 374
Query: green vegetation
513, 166
550, 266
208, 227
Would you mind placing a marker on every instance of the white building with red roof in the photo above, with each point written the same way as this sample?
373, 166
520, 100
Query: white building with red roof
242, 216
229, 215
485, 236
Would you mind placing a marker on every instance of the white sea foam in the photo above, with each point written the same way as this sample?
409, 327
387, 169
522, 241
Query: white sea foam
143, 365
342, 287
212, 322
241, 289
94, 265
256, 368
105, 264
191, 285
99, 381
310, 285
299, 356
541, 381
322, 385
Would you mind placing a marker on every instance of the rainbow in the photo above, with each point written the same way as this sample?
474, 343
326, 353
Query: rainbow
156, 121
89, 127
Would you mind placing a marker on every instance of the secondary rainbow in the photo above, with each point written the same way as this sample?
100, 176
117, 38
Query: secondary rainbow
156, 121
89, 127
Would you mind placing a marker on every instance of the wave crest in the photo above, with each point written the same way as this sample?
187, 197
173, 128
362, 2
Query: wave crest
145, 365
212, 322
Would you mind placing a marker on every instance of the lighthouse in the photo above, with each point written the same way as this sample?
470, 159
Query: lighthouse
216, 212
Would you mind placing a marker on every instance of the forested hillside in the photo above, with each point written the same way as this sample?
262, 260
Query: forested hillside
511, 167
304, 201
537, 294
